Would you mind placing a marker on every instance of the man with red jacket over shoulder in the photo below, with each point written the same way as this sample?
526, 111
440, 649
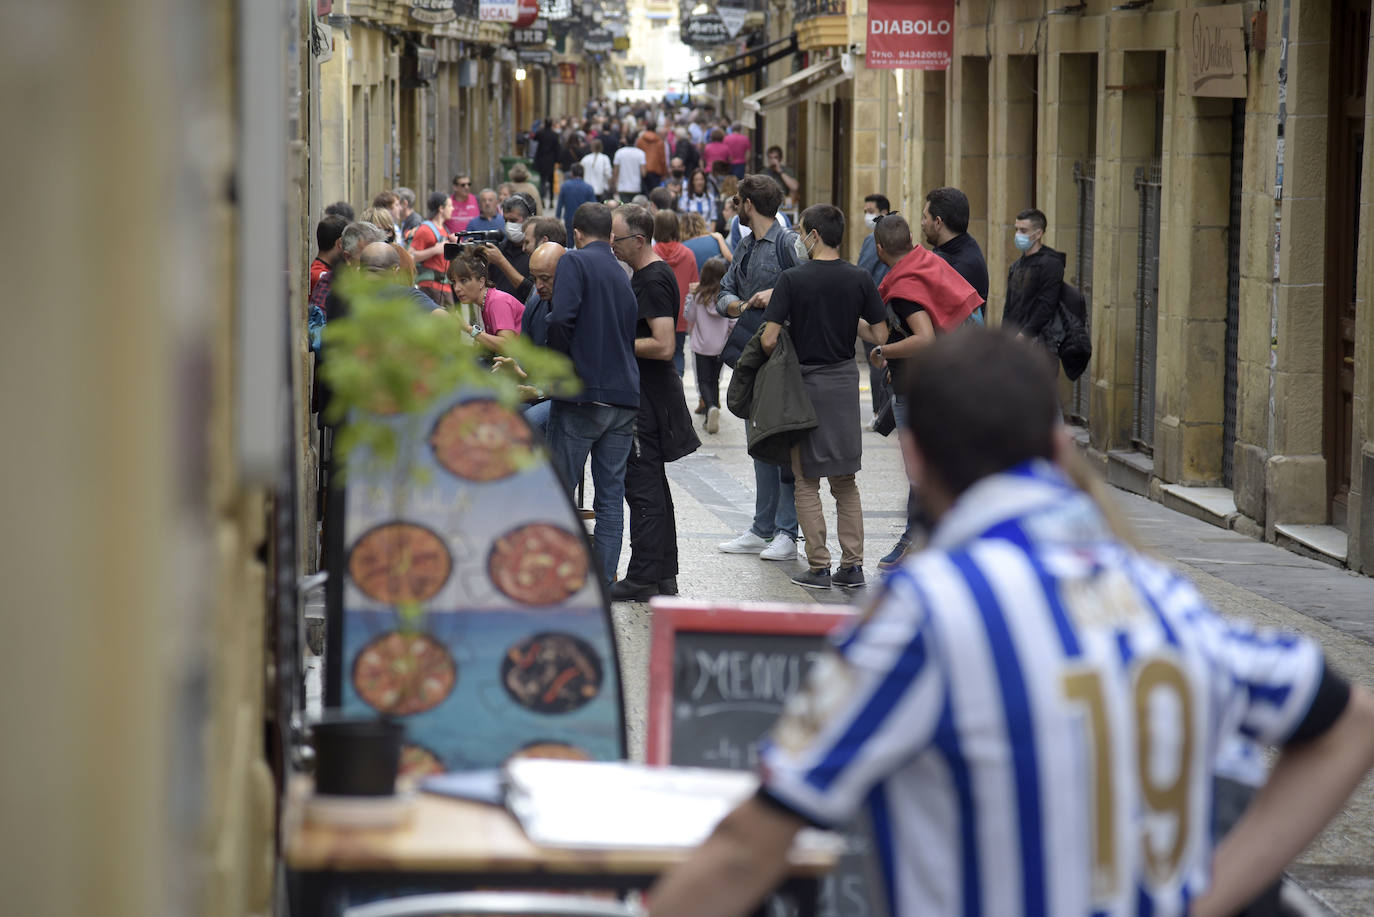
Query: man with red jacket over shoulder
925, 296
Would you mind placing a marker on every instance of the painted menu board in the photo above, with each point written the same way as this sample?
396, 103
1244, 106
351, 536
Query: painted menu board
466, 603
719, 677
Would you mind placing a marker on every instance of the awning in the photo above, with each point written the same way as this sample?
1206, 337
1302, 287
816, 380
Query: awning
763, 56
802, 85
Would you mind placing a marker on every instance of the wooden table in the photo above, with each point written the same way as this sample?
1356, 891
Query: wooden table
457, 845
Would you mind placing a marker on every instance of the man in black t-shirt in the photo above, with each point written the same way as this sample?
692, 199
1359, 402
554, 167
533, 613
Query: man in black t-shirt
825, 302
663, 428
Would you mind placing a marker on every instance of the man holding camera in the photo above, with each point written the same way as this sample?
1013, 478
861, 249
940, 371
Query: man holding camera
509, 261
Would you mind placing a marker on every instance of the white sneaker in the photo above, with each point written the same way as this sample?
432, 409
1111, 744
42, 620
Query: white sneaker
748, 543
713, 420
783, 547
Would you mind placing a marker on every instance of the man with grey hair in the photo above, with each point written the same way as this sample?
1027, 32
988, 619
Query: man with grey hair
489, 212
380, 258
410, 220
357, 236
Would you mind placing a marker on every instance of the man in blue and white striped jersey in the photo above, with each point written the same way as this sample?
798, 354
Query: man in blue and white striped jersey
1032, 708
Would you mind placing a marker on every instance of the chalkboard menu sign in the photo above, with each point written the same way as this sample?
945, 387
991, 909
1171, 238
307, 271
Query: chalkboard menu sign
719, 676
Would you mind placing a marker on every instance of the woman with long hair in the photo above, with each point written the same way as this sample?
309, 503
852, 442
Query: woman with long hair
699, 196
708, 331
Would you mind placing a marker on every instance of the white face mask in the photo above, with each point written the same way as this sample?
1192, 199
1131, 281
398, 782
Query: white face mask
870, 220
515, 232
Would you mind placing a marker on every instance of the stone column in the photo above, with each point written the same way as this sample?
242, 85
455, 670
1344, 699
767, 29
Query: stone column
1189, 398
1361, 510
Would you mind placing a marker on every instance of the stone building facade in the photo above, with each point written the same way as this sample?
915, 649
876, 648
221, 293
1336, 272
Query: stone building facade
1224, 244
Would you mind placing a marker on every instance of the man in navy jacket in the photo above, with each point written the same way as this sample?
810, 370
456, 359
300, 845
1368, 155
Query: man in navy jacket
593, 322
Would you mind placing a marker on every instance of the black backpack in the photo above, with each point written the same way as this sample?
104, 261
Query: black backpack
1075, 346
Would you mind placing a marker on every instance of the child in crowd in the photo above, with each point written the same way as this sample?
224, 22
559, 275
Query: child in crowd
708, 332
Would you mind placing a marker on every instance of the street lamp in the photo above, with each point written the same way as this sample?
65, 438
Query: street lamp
520, 74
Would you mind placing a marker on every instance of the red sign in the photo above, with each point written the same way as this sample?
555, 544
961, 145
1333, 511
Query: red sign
911, 34
528, 12
567, 73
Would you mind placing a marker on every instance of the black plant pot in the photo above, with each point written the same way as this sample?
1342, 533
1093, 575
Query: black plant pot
357, 756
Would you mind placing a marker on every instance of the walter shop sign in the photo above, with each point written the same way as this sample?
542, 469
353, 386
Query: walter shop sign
911, 34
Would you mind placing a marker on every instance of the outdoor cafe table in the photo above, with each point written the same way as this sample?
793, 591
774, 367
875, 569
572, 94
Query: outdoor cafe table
458, 845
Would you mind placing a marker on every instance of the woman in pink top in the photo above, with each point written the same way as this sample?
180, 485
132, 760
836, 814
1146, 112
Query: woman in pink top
737, 142
490, 316
716, 150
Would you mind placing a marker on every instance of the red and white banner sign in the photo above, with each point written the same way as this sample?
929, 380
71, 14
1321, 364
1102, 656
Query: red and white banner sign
911, 34
499, 10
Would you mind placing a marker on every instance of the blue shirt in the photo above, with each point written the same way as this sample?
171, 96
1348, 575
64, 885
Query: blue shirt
593, 322
868, 260
482, 223
574, 193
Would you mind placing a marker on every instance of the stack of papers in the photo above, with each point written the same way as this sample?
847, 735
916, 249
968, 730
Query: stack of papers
620, 805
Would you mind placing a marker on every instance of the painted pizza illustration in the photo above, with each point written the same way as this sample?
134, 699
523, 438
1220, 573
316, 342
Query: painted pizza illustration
418, 761
538, 564
481, 441
552, 673
400, 562
404, 673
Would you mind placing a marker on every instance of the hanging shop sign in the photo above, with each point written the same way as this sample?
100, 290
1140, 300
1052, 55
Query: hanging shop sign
911, 34
706, 30
555, 10
598, 41
567, 72
535, 56
527, 11
499, 10
1213, 38
537, 35
620, 43
733, 17
433, 12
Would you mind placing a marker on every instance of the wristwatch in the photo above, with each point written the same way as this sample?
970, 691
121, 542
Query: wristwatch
474, 331
879, 351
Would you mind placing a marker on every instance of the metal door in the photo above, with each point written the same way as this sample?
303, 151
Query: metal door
1147, 183
1085, 181
1228, 427
1345, 149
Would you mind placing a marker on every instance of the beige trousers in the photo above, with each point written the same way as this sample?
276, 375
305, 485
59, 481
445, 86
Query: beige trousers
848, 510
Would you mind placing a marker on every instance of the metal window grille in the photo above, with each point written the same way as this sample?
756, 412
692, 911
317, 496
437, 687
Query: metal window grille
1147, 183
1228, 435
1084, 179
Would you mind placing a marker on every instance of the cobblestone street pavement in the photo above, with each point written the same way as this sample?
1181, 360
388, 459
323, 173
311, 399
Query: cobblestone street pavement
714, 496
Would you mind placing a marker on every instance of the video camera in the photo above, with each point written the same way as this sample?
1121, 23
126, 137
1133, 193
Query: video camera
470, 240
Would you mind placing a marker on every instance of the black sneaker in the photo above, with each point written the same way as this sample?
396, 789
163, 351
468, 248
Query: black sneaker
849, 577
813, 579
894, 557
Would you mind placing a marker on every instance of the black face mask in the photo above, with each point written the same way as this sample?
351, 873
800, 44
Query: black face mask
678, 173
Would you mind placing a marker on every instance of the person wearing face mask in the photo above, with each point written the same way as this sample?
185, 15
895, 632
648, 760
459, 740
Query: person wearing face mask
825, 302
1034, 282
759, 260
508, 264
575, 192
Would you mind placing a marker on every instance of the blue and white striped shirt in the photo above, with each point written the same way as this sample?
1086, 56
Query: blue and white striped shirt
1031, 713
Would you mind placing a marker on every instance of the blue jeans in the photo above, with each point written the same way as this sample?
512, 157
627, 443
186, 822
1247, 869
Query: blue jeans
537, 415
680, 353
607, 434
775, 502
913, 519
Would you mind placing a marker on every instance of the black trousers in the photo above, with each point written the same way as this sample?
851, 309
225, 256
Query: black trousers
653, 522
708, 378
